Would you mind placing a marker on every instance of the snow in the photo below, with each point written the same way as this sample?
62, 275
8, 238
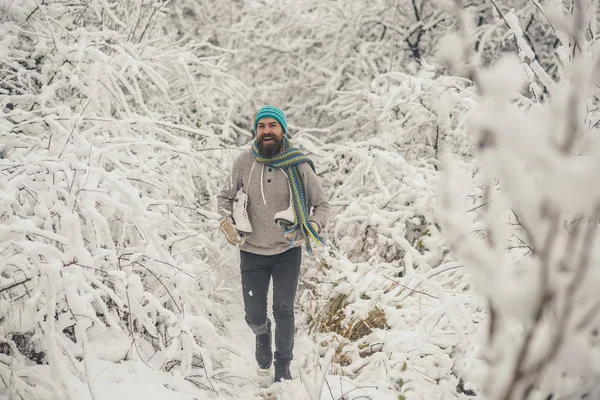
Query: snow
337, 387
131, 379
462, 255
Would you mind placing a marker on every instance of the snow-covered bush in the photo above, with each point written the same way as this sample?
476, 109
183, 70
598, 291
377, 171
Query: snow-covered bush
405, 332
387, 295
307, 56
385, 204
108, 179
539, 157
316, 58
419, 115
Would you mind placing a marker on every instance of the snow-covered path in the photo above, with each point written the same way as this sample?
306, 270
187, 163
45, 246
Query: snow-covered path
242, 366
307, 376
234, 375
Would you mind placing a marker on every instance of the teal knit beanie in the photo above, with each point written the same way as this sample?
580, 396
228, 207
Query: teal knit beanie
271, 112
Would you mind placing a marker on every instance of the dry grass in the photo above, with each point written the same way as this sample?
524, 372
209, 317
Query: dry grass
343, 356
333, 319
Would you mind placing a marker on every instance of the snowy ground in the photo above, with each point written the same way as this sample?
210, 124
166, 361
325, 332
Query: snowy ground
306, 383
303, 385
237, 375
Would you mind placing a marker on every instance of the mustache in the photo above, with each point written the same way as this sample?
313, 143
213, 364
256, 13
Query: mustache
268, 137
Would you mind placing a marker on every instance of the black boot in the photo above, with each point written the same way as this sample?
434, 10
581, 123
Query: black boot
264, 352
282, 370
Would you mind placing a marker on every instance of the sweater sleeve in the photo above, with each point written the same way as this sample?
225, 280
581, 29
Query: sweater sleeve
230, 188
315, 196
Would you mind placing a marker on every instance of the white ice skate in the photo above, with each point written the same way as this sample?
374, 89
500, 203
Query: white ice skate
240, 213
285, 219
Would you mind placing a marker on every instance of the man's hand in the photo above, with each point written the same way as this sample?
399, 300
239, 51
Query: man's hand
232, 236
299, 238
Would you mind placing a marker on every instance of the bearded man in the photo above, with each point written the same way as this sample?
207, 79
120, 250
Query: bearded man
272, 205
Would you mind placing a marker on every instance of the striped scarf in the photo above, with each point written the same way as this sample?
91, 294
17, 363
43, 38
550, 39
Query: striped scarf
289, 160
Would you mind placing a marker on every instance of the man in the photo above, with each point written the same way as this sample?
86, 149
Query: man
272, 177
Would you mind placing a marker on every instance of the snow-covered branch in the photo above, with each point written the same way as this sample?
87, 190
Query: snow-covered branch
105, 231
538, 163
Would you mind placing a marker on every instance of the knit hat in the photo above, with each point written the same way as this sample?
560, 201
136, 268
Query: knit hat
271, 112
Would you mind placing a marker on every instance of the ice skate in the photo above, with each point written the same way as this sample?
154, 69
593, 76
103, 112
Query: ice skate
240, 214
286, 218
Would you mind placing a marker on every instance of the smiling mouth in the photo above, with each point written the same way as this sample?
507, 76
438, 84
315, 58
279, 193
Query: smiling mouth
268, 139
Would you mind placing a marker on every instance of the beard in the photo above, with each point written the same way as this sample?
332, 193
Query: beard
271, 148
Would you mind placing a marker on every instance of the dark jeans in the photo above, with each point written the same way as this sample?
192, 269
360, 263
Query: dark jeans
257, 271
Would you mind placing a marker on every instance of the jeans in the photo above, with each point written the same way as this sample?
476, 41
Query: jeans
256, 271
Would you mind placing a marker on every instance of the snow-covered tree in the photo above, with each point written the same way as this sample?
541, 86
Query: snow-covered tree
538, 157
110, 132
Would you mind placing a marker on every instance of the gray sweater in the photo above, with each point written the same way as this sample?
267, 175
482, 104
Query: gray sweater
268, 193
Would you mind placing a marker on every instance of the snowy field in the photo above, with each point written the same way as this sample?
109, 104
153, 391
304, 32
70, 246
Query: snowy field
457, 144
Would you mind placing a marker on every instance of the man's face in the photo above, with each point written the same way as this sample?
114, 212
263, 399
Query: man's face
269, 137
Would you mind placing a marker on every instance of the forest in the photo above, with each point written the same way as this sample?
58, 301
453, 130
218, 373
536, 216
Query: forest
456, 143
